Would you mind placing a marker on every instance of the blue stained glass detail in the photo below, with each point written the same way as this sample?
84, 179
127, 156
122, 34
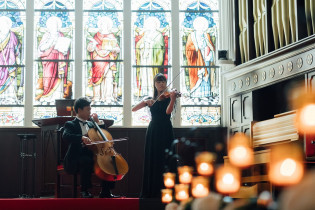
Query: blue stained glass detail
144, 15
14, 16
64, 17
197, 6
103, 6
94, 17
54, 5
150, 6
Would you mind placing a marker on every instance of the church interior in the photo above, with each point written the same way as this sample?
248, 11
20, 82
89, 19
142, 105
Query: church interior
244, 123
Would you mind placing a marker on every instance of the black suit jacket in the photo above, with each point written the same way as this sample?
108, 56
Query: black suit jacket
73, 135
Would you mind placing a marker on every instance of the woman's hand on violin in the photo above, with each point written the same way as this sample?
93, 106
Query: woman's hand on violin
86, 140
173, 94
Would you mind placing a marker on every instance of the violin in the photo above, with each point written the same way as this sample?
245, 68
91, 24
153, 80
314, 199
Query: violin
167, 93
109, 165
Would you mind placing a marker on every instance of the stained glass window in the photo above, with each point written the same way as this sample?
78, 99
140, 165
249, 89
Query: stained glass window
152, 54
200, 83
12, 62
103, 66
53, 47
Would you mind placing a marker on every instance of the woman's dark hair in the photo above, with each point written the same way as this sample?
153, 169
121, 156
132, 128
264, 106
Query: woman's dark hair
81, 102
158, 77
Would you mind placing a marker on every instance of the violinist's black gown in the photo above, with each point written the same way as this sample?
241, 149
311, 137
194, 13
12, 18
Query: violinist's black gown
159, 136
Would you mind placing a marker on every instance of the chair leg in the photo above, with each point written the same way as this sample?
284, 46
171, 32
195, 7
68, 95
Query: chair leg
75, 186
57, 187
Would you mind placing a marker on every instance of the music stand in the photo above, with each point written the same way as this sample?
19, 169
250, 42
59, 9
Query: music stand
65, 107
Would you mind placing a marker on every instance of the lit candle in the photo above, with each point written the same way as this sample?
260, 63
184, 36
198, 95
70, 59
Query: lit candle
204, 163
286, 165
185, 174
169, 179
167, 195
227, 179
181, 192
305, 119
240, 153
200, 187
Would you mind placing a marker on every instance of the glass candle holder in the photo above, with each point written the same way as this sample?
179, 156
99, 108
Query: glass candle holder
181, 192
169, 179
286, 165
204, 162
185, 174
227, 179
305, 119
240, 152
200, 187
167, 195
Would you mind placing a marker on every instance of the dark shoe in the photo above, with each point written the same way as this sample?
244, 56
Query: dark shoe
86, 194
108, 195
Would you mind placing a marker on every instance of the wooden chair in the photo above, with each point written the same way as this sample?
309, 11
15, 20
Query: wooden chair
61, 175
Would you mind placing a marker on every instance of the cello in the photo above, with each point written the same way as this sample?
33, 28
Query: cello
109, 165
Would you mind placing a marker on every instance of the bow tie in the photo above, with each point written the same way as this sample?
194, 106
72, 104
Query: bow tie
82, 122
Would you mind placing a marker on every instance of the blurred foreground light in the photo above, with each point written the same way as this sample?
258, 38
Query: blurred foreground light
305, 119
286, 165
240, 152
185, 174
167, 195
200, 187
169, 179
227, 179
181, 192
204, 162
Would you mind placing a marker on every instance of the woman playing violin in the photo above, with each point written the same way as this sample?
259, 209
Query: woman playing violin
159, 136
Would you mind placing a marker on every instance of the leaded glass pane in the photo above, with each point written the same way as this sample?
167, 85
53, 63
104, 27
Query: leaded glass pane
204, 115
54, 4
12, 4
151, 5
103, 66
151, 54
11, 116
103, 5
204, 5
110, 112
200, 82
104, 88
45, 112
12, 58
12, 63
54, 52
52, 82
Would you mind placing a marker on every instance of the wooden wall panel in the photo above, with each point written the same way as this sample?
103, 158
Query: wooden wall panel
132, 150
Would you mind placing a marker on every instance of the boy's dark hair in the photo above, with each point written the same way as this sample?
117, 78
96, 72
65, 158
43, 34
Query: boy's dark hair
81, 102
